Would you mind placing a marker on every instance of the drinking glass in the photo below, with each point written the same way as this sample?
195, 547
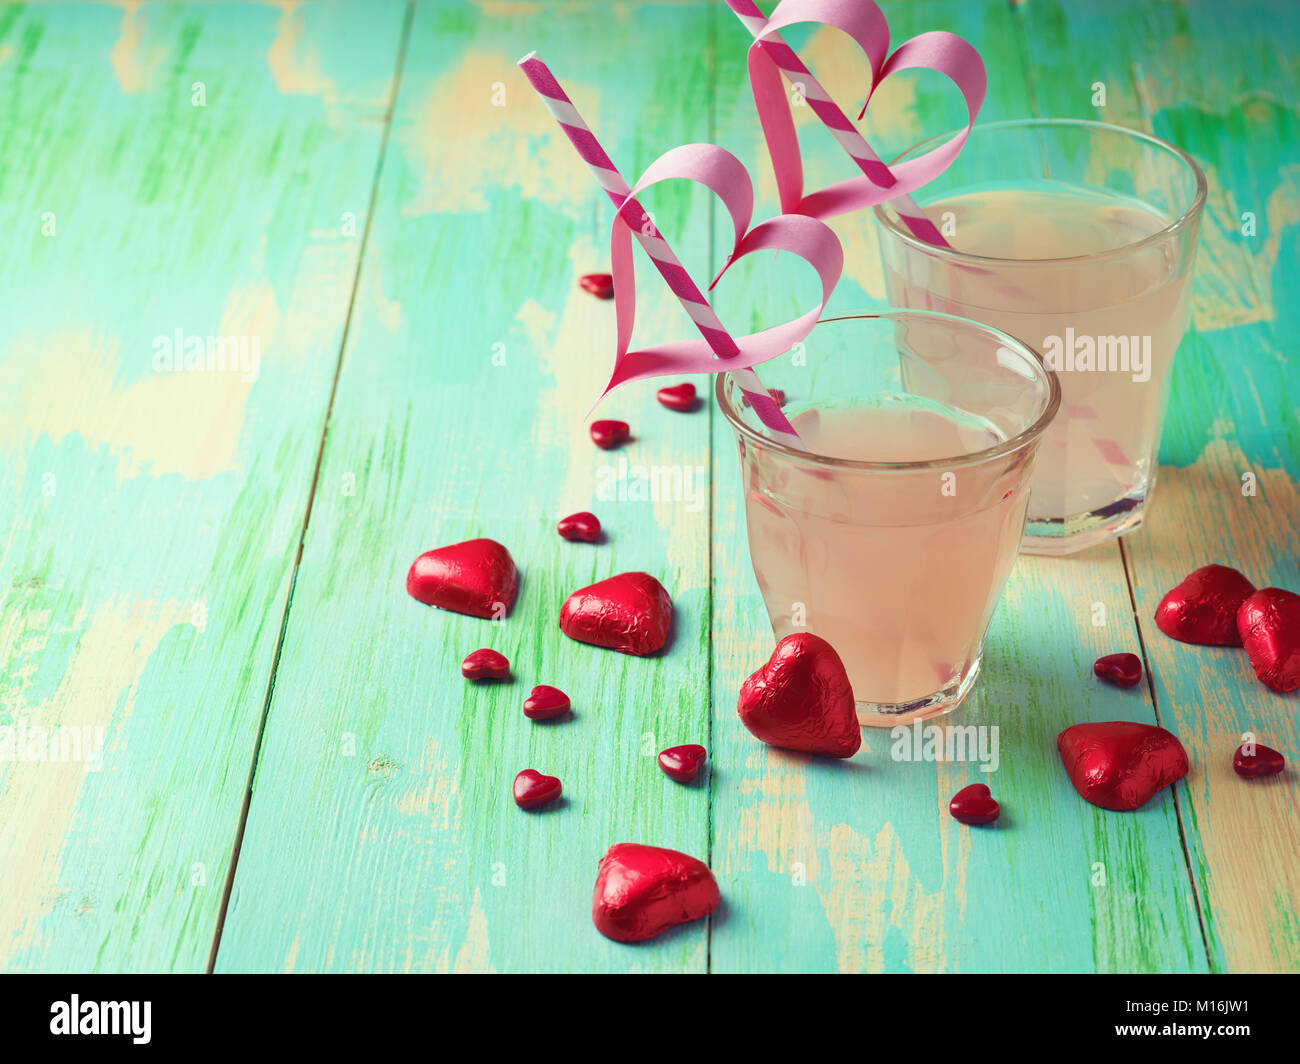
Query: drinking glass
892, 535
1077, 238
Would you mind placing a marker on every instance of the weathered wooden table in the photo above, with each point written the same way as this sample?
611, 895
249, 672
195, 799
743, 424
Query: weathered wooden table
209, 565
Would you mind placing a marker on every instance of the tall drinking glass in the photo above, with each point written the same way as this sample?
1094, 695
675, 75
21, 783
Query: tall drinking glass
891, 537
1078, 238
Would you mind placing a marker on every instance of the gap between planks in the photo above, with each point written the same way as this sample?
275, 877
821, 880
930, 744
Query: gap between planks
228, 888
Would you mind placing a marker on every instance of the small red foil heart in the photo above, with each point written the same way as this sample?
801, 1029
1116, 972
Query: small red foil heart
609, 434
682, 763
801, 699
1265, 761
1203, 608
582, 526
600, 285
629, 613
532, 789
1120, 764
1123, 670
545, 702
1269, 625
485, 665
974, 805
642, 891
678, 397
477, 577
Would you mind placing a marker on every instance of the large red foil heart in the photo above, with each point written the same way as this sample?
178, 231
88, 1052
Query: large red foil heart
584, 526
642, 891
485, 664
974, 805
682, 763
1269, 625
1264, 761
801, 699
477, 577
1123, 670
1203, 608
532, 789
545, 702
629, 613
600, 285
1120, 764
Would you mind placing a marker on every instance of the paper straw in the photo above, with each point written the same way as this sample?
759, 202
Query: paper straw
669, 266
875, 171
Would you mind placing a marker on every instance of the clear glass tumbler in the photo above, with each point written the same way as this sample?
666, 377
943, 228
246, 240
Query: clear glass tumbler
892, 535
1078, 238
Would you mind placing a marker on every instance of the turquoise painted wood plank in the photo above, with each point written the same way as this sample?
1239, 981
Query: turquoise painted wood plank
381, 823
151, 517
857, 866
1232, 412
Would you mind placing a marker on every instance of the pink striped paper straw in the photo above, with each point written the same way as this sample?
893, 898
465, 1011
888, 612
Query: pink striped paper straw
669, 266
875, 171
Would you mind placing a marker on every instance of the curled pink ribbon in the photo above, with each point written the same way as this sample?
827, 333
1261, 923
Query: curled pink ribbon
726, 177
865, 23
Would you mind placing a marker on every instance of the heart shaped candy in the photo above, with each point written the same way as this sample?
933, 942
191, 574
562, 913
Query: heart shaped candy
629, 613
801, 699
600, 285
609, 434
545, 702
678, 397
1120, 764
1203, 608
974, 805
1256, 760
1123, 670
682, 763
485, 665
584, 526
477, 577
642, 891
532, 789
1269, 625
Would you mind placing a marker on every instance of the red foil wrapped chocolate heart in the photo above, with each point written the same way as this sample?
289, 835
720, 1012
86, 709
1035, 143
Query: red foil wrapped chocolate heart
1252, 759
974, 805
682, 763
678, 397
801, 699
609, 434
545, 702
1123, 670
532, 789
485, 665
1120, 764
642, 891
600, 285
477, 577
1203, 608
1269, 625
584, 526
630, 613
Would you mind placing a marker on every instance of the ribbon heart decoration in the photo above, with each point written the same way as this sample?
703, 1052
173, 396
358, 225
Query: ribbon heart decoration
726, 177
865, 23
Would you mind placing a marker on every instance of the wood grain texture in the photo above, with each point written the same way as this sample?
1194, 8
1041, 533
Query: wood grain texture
1227, 490
857, 866
152, 517
382, 834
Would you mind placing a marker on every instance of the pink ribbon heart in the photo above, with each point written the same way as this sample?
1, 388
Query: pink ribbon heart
864, 22
726, 177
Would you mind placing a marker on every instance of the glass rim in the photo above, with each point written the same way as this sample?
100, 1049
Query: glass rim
1181, 222
1007, 446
